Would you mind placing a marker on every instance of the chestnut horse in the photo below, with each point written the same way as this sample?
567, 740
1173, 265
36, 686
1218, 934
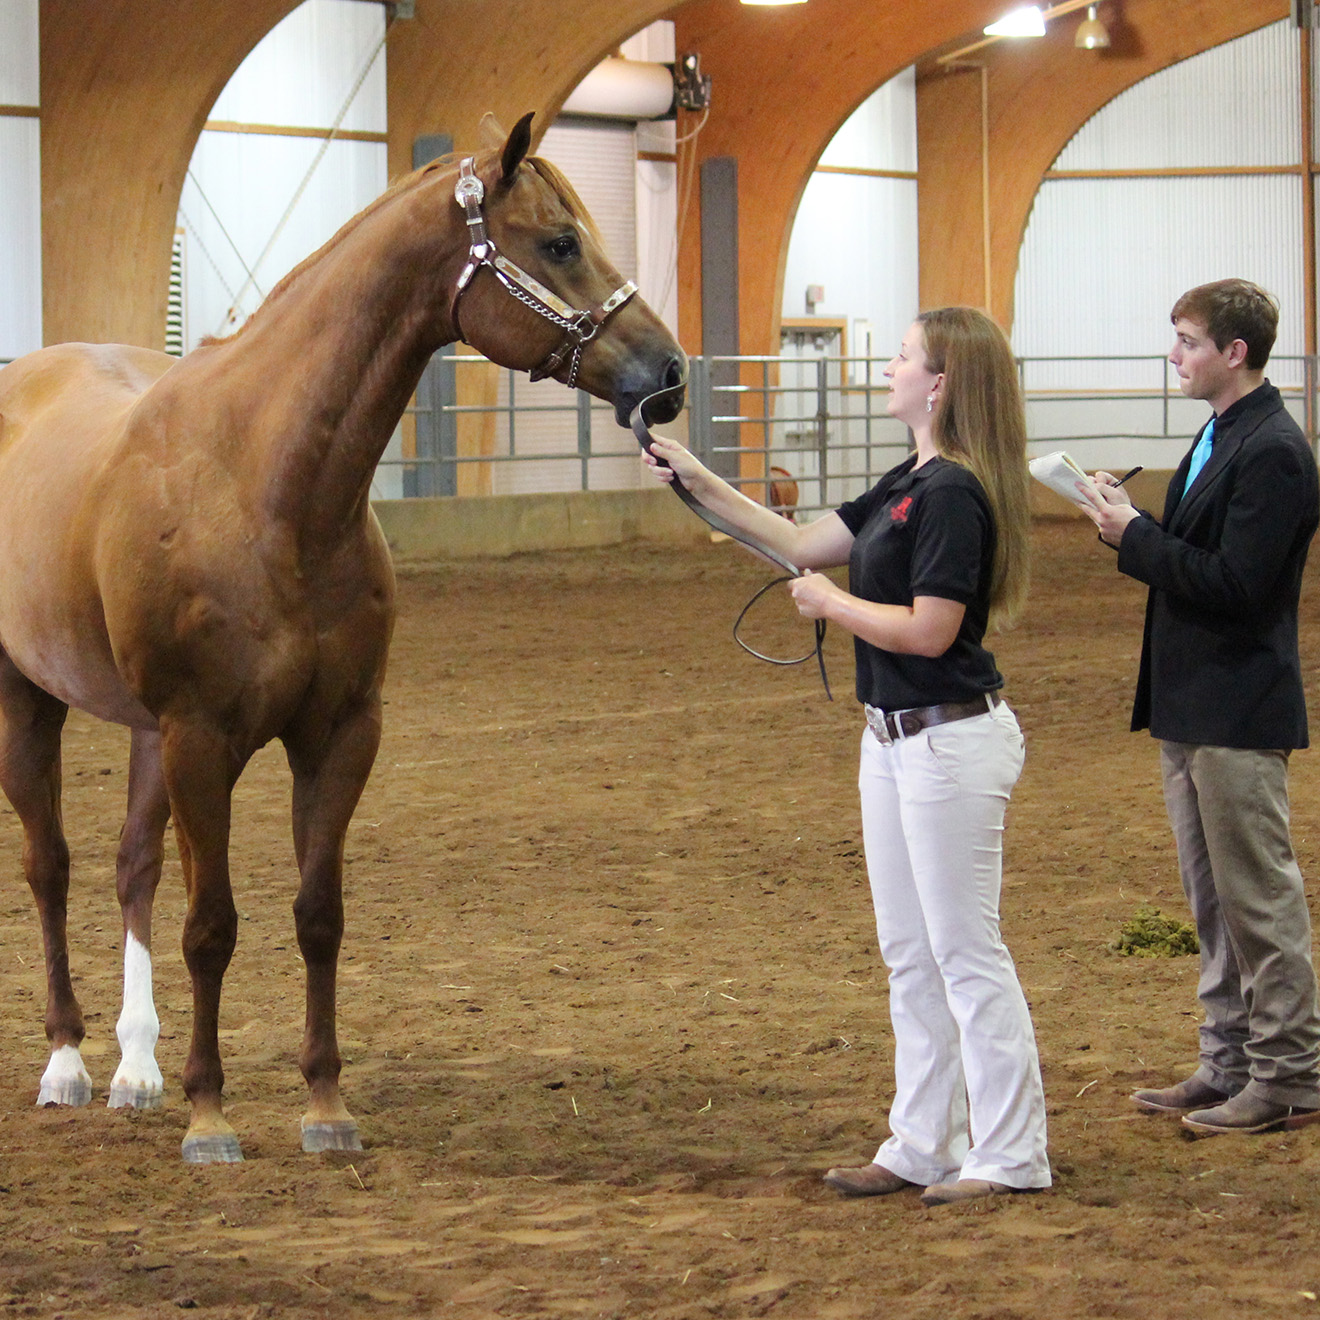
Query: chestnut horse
187, 548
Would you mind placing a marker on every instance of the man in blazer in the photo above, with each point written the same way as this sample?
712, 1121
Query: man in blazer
1220, 686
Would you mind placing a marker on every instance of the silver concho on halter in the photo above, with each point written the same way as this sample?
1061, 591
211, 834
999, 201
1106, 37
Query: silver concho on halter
579, 327
469, 189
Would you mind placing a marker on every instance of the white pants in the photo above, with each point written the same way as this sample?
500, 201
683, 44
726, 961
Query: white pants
968, 1099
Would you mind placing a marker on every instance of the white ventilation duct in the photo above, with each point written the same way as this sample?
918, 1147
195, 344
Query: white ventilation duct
623, 89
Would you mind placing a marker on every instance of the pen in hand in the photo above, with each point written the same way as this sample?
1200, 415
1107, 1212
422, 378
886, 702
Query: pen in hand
1126, 475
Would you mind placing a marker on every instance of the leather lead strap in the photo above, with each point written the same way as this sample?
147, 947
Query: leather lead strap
721, 525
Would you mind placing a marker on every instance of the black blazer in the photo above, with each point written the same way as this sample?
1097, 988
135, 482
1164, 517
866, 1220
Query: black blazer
1219, 661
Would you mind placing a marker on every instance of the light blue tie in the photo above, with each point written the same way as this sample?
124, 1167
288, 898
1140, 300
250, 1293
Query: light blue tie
1200, 454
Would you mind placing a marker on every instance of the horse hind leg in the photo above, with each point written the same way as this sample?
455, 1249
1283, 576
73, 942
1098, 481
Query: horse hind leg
31, 722
137, 1083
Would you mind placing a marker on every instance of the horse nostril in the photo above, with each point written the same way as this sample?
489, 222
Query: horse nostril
667, 401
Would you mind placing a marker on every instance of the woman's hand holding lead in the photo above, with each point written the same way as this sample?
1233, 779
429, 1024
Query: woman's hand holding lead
812, 593
682, 463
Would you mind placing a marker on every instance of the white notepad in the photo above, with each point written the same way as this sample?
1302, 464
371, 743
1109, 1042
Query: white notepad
1062, 475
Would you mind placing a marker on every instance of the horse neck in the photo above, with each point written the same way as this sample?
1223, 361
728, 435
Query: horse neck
336, 355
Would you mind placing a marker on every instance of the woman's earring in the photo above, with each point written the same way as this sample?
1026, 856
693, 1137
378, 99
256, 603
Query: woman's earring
930, 403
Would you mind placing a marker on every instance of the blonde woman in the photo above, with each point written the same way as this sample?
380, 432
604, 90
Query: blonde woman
934, 549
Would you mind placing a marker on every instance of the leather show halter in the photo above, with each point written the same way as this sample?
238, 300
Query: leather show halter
726, 528
579, 327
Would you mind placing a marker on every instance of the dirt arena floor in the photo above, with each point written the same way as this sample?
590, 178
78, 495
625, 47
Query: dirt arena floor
611, 1003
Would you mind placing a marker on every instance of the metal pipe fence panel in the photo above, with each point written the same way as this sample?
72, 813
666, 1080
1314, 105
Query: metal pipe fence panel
820, 421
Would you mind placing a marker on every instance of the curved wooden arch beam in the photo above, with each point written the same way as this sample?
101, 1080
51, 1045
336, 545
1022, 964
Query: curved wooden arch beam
783, 82
454, 61
125, 89
1040, 92
809, 66
126, 86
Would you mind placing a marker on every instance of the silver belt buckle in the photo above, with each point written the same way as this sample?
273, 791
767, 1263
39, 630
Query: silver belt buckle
875, 719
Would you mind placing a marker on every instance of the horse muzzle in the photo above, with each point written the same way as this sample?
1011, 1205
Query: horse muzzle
662, 394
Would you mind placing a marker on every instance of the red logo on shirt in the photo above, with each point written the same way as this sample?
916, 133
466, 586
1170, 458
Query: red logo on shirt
900, 510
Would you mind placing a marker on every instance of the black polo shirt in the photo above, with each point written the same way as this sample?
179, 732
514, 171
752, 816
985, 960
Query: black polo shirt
924, 532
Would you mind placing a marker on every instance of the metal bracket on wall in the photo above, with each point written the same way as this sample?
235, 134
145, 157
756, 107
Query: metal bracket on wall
691, 86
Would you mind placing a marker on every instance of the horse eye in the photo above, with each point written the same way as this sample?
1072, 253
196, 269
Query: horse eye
563, 248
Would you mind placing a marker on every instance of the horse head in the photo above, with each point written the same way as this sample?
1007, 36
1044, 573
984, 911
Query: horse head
592, 330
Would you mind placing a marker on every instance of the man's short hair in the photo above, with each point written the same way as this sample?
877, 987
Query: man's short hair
1233, 309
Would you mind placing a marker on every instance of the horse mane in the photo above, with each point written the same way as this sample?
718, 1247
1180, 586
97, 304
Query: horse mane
551, 174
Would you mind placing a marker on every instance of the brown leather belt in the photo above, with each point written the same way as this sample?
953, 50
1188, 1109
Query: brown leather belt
891, 726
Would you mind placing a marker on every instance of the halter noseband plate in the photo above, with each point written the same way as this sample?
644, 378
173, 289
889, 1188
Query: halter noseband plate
579, 326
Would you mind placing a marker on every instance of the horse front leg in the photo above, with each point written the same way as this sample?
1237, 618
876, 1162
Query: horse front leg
200, 772
137, 1083
31, 722
330, 771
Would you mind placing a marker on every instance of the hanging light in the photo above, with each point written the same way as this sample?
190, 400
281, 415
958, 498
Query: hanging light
1091, 32
1025, 22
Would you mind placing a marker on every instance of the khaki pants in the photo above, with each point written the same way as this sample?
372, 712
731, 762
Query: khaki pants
1229, 810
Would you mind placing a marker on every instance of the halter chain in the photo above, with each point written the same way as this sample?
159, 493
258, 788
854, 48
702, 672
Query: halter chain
579, 327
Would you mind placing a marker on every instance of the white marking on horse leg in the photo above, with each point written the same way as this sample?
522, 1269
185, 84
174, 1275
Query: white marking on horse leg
137, 1083
65, 1081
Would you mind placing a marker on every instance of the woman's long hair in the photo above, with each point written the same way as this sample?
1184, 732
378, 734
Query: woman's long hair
979, 422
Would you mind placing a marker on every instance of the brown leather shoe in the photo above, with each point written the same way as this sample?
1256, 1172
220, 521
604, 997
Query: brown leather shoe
1248, 1113
869, 1180
967, 1189
1191, 1094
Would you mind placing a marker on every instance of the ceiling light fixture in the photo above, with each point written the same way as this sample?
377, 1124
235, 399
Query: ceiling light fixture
950, 59
1025, 22
1091, 32
774, 2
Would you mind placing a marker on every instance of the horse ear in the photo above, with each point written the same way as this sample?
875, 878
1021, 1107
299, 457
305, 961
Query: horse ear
490, 133
516, 147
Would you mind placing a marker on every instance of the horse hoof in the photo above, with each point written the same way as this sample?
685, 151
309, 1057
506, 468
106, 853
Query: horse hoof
66, 1091
130, 1095
330, 1136
212, 1149
65, 1081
